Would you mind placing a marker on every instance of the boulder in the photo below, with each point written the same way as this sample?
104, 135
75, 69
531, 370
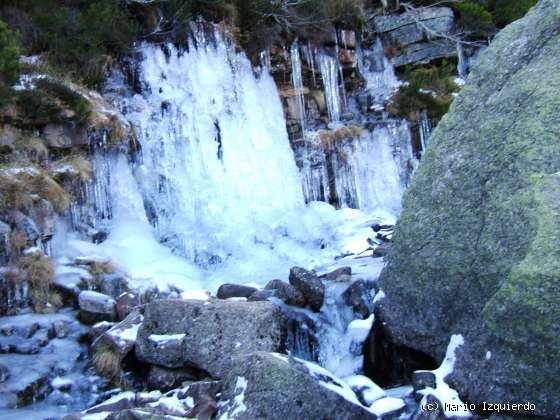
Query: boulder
96, 307
208, 335
309, 285
121, 337
164, 379
227, 291
286, 292
475, 251
272, 386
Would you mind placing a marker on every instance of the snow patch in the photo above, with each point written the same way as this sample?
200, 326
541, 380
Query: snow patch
164, 338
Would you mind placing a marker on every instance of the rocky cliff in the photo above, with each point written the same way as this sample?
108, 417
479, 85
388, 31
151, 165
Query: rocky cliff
477, 248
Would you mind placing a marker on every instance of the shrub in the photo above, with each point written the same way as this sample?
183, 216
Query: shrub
9, 56
474, 19
428, 88
507, 11
68, 96
39, 272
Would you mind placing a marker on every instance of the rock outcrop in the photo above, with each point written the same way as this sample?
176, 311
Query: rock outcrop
476, 250
418, 37
207, 335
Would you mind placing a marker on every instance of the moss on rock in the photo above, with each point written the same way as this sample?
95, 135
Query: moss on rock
474, 251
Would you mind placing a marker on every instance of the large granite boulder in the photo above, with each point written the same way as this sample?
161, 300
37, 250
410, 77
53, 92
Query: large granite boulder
272, 386
476, 251
208, 335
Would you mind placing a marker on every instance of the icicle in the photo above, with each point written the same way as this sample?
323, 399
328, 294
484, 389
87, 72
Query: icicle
310, 58
297, 82
462, 64
329, 73
266, 60
425, 128
378, 72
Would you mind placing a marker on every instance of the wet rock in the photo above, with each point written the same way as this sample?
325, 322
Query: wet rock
98, 329
262, 295
126, 303
423, 379
342, 274
27, 227
309, 285
96, 307
114, 284
274, 386
67, 285
360, 296
207, 335
42, 213
164, 379
64, 136
227, 291
286, 292
28, 380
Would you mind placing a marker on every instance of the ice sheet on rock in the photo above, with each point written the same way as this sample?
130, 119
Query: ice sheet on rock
162, 338
195, 295
370, 390
387, 405
359, 328
443, 392
331, 382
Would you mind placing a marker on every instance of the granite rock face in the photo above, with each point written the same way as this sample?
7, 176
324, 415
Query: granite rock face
273, 386
476, 251
418, 37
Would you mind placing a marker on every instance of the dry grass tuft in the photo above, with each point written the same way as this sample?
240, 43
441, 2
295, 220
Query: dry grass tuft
38, 270
107, 362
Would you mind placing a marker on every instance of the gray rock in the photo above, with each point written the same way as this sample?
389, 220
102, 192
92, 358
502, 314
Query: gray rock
126, 303
43, 214
474, 250
273, 386
164, 379
408, 28
208, 335
121, 337
227, 291
359, 296
342, 274
113, 285
424, 52
286, 292
309, 285
64, 136
4, 373
262, 295
96, 307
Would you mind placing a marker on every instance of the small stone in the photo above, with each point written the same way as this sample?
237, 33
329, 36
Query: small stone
342, 274
382, 250
96, 307
227, 291
422, 379
286, 292
4, 373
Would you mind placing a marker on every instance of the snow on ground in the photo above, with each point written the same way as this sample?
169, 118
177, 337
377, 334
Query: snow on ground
453, 406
